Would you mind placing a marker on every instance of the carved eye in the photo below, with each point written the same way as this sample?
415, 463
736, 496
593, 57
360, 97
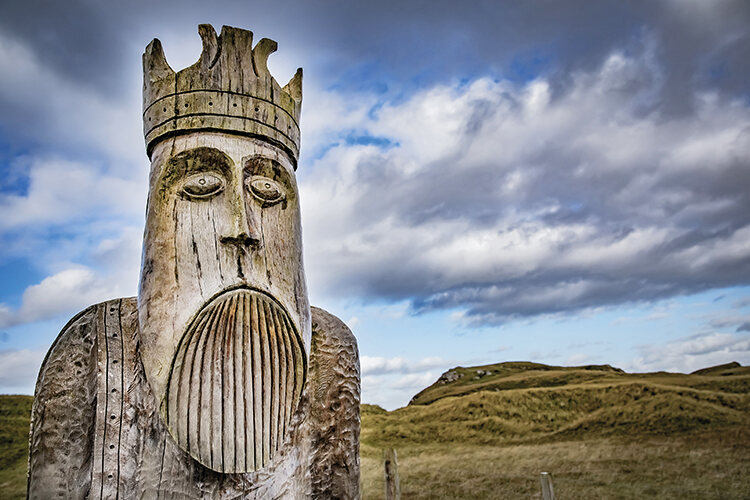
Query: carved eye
203, 185
266, 190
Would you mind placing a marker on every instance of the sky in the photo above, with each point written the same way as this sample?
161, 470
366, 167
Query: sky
560, 182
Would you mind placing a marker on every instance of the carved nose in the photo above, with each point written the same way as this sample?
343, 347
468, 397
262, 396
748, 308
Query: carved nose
243, 232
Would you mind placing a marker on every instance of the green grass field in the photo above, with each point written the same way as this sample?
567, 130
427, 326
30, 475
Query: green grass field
14, 445
488, 431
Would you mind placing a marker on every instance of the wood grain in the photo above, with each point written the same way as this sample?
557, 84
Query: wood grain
390, 470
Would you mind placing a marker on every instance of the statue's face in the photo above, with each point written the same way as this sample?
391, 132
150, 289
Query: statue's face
223, 308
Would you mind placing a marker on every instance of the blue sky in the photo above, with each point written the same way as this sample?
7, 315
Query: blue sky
565, 183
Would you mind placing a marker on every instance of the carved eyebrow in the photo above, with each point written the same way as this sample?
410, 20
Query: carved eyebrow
262, 165
197, 160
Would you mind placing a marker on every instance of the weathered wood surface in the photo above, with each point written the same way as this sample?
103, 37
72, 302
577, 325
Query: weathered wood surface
392, 482
235, 382
130, 453
64, 412
334, 413
548, 492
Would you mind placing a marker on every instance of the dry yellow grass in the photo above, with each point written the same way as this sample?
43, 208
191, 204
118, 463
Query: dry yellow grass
489, 431
701, 466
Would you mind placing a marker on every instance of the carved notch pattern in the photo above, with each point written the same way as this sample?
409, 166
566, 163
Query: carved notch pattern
236, 380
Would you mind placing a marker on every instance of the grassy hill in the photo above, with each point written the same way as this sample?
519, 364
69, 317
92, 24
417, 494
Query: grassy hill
460, 381
488, 431
529, 402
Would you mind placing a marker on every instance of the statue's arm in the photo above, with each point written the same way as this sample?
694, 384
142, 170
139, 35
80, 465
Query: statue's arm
63, 412
335, 398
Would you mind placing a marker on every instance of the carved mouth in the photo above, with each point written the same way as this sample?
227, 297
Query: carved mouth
236, 380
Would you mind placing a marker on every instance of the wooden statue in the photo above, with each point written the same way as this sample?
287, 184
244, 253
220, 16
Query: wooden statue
220, 380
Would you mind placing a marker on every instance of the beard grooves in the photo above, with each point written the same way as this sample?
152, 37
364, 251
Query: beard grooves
235, 382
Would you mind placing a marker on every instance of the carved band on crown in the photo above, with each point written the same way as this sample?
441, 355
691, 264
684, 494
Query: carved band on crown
221, 110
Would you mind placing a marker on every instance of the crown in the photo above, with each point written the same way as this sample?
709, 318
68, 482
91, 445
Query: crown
229, 89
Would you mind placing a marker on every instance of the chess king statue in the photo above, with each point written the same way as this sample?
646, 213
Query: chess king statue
220, 380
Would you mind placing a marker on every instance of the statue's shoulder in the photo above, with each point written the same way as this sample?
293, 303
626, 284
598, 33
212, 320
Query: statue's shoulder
329, 330
65, 399
335, 393
75, 347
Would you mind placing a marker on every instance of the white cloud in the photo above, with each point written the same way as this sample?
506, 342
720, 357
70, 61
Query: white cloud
76, 287
84, 180
507, 200
76, 118
577, 359
415, 381
64, 292
19, 369
374, 365
352, 322
392, 390
62, 191
730, 319
392, 382
693, 353
328, 119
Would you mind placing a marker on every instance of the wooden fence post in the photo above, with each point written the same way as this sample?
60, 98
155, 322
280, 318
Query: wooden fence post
548, 493
392, 486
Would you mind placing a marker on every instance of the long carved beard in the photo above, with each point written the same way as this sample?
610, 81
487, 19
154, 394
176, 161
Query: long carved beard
235, 382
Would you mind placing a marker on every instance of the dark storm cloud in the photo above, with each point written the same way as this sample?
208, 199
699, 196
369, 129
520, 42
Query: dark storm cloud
79, 40
391, 47
622, 176
507, 200
409, 43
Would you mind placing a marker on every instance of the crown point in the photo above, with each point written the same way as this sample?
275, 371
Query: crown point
236, 36
210, 44
294, 87
155, 66
235, 44
261, 52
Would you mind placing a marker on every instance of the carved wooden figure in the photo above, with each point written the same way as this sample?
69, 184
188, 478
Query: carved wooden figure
220, 381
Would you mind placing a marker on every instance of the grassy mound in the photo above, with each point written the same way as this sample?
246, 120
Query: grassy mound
460, 381
488, 431
601, 409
